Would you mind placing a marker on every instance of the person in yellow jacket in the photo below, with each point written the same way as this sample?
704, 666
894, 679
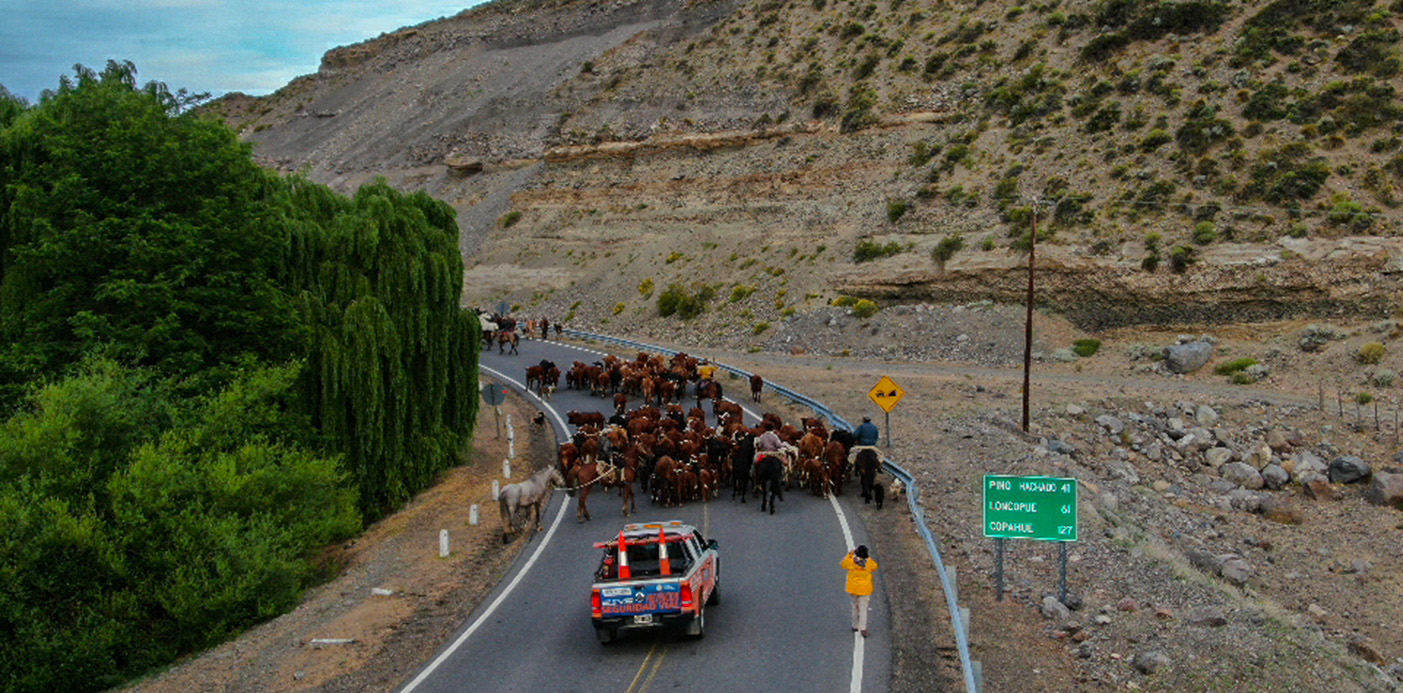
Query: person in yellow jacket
860, 568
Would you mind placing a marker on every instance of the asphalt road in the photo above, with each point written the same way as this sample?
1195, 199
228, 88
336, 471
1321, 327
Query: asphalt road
782, 623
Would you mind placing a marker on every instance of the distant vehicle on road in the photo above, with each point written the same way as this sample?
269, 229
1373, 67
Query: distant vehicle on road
655, 575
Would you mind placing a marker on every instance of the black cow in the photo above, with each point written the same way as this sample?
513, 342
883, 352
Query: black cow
741, 461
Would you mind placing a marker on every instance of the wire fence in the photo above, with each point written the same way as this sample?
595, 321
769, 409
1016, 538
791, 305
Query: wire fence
959, 619
1362, 409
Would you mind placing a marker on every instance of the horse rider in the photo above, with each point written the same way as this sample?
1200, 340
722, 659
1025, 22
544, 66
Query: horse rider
768, 442
867, 436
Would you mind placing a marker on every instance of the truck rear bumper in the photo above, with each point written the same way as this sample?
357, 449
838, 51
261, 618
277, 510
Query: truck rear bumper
623, 623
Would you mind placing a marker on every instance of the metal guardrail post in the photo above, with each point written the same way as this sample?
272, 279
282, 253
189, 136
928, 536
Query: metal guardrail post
973, 671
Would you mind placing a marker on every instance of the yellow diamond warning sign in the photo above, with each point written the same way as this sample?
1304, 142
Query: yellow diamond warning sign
886, 394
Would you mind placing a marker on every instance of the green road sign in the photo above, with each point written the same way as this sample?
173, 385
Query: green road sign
1030, 507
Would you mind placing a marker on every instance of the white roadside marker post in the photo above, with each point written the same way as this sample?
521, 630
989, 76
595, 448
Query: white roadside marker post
511, 439
496, 490
472, 515
443, 543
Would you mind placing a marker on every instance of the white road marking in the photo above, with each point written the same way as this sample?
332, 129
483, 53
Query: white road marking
520, 574
540, 548
855, 684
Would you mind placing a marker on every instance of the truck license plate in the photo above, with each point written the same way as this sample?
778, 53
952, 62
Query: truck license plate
643, 619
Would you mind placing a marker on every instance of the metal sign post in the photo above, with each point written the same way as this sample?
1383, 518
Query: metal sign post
494, 395
1043, 508
886, 393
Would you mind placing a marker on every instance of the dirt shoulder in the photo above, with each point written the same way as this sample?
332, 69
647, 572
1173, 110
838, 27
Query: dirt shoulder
392, 634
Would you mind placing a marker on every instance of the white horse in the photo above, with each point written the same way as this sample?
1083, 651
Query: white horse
533, 492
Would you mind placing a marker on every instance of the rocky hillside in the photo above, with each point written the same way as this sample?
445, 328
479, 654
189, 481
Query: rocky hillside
1182, 161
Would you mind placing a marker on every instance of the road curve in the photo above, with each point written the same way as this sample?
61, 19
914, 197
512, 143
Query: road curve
782, 623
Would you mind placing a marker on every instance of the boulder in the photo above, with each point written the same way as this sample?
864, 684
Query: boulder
1112, 425
1187, 358
1217, 457
1203, 439
1074, 410
1150, 661
1366, 651
1277, 441
1241, 474
1206, 416
1235, 569
1061, 447
1055, 610
1210, 616
1385, 489
463, 165
1154, 452
1319, 489
1121, 469
1244, 500
1317, 613
1307, 461
1281, 511
1259, 456
1257, 371
1348, 469
1274, 477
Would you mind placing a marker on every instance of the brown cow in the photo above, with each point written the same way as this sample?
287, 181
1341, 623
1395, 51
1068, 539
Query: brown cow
811, 445
757, 384
585, 418
835, 458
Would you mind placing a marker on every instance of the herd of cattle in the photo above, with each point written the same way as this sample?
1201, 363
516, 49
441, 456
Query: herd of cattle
671, 453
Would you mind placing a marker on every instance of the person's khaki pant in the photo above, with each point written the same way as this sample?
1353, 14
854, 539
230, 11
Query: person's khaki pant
860, 610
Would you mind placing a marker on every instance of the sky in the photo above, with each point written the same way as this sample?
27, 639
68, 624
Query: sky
218, 46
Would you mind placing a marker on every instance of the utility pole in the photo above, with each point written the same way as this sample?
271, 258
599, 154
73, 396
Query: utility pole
1028, 327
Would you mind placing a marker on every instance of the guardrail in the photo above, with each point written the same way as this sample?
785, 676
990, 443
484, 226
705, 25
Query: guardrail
959, 616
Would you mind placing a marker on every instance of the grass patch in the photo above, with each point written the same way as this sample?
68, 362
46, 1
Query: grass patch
1086, 347
1235, 365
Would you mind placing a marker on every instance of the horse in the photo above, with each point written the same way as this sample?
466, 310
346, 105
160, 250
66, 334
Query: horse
769, 476
505, 338
583, 476
757, 384
866, 465
533, 493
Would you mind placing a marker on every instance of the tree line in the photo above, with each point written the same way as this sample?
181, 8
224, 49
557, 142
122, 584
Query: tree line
208, 372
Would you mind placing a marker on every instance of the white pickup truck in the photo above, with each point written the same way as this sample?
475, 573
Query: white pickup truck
654, 575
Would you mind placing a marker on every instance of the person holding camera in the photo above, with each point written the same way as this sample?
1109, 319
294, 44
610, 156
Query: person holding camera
860, 569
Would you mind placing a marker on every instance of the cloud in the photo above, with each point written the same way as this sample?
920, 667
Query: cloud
255, 46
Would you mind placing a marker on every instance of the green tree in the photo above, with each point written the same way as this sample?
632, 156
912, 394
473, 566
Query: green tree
125, 228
